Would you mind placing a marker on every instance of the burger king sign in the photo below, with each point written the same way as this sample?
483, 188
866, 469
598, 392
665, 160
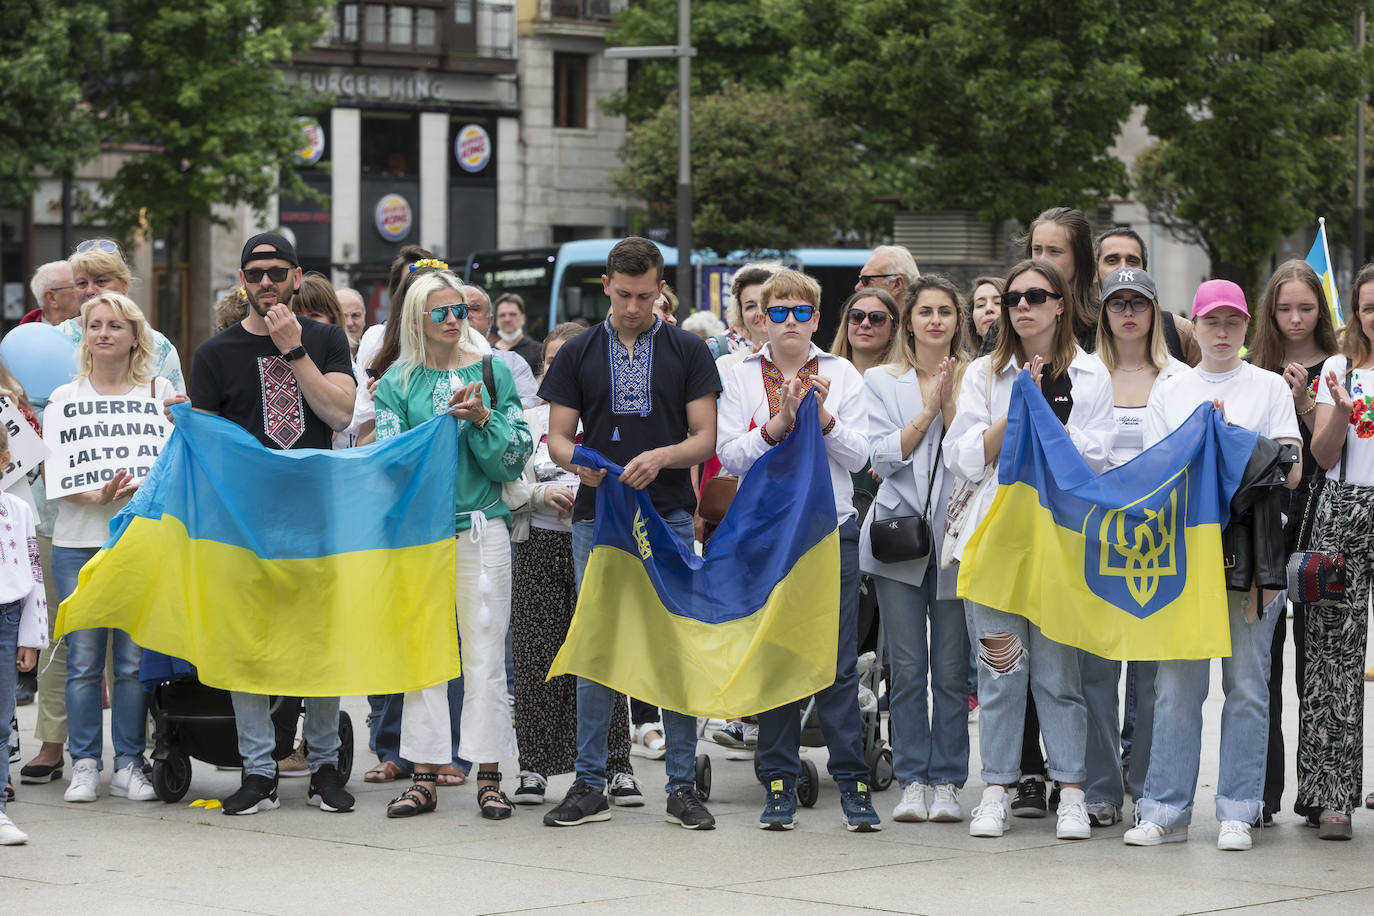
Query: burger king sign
393, 217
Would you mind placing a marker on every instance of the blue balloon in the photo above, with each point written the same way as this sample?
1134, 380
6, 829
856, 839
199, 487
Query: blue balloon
41, 357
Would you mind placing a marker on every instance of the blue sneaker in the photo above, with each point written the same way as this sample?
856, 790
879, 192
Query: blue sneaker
859, 813
780, 809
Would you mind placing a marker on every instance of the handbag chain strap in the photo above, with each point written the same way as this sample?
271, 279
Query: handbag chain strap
934, 468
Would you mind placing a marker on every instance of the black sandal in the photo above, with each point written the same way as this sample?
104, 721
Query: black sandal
491, 798
410, 803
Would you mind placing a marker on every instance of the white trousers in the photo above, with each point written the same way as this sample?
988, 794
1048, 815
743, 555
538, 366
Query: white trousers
483, 610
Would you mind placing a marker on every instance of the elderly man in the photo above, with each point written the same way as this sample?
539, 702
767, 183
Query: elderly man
354, 313
889, 267
479, 320
510, 330
55, 291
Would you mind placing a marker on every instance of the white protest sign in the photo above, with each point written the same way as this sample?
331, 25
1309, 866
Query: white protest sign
92, 439
27, 450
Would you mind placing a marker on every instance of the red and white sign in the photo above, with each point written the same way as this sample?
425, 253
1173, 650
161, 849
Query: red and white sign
314, 140
472, 146
393, 217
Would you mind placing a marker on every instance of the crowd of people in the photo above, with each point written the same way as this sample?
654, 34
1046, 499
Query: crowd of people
912, 399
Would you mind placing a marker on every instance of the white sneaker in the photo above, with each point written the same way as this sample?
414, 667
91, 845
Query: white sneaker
1073, 816
85, 784
751, 735
11, 835
1234, 836
944, 809
993, 814
912, 808
130, 783
1148, 833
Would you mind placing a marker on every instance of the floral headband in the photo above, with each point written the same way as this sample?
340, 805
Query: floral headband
429, 262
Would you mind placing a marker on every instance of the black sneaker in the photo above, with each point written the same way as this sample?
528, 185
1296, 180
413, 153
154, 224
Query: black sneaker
1030, 798
1054, 796
258, 793
327, 790
686, 810
581, 805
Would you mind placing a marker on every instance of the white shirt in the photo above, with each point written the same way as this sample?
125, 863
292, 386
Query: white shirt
1255, 398
21, 576
1359, 436
1130, 421
744, 399
1091, 426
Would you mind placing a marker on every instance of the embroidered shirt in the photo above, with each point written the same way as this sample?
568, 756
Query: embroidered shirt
631, 371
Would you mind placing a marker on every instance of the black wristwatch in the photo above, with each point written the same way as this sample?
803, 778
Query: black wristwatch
294, 353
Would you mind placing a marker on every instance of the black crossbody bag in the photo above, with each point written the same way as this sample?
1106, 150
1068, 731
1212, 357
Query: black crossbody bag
906, 537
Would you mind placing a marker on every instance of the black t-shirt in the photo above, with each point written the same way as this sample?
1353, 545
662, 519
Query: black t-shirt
646, 408
530, 350
1058, 390
243, 377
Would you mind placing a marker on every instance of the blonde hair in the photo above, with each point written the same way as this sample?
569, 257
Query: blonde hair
414, 311
790, 284
903, 352
840, 346
1156, 352
124, 308
1355, 345
97, 263
1065, 342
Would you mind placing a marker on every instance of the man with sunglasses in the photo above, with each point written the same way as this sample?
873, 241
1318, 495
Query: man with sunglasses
891, 268
645, 394
288, 381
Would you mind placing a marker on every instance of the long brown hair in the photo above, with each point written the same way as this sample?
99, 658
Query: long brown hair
1357, 346
973, 341
903, 352
1079, 301
1267, 348
1009, 342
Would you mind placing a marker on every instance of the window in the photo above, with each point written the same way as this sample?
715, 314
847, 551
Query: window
425, 28
375, 24
569, 90
402, 30
346, 23
390, 143
462, 12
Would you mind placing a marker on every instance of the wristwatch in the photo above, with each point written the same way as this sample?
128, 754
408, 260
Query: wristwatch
294, 353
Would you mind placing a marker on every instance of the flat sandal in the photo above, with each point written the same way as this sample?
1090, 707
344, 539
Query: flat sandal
409, 803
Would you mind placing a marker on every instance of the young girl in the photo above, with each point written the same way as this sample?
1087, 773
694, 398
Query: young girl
1254, 399
1015, 658
23, 620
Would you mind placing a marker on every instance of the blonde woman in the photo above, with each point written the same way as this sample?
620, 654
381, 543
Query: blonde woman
910, 403
437, 371
116, 358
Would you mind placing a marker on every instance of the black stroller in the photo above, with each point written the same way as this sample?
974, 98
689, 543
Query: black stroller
191, 720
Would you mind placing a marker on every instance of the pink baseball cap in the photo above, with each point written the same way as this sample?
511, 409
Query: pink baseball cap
1219, 294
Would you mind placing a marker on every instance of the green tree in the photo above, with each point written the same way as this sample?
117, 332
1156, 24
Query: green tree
1253, 107
766, 173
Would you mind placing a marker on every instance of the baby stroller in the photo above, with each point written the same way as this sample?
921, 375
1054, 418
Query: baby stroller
192, 720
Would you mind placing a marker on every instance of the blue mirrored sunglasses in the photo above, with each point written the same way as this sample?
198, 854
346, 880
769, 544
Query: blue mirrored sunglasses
778, 313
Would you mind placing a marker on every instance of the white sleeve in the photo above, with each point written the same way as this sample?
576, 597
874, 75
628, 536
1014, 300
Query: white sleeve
1094, 429
1283, 415
1156, 420
33, 620
884, 430
737, 446
847, 442
963, 444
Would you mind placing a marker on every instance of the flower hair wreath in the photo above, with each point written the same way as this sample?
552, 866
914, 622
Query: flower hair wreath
429, 262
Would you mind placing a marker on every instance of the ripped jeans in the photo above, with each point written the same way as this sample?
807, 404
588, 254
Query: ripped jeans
1052, 673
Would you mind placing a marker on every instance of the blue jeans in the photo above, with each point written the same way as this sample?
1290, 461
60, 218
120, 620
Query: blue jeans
258, 736
386, 727
929, 741
9, 649
85, 664
1048, 668
837, 706
1181, 686
594, 701
1100, 678
1140, 707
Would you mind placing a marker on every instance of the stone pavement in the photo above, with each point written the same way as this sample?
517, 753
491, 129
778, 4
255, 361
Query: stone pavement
117, 856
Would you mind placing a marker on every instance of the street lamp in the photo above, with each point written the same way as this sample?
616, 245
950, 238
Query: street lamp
684, 52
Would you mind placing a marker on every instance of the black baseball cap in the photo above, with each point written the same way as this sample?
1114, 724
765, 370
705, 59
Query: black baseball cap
281, 248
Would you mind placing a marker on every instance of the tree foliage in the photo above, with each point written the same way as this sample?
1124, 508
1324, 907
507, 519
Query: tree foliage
1253, 106
766, 172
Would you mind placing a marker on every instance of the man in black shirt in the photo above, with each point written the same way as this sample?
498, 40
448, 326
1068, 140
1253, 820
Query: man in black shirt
289, 382
645, 393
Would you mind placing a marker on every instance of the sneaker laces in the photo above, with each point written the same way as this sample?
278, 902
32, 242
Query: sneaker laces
691, 802
946, 794
532, 780
624, 781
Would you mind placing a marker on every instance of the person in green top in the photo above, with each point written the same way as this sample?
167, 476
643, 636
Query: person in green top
439, 369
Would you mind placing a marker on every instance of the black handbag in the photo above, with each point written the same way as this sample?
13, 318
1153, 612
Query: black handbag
1314, 576
905, 537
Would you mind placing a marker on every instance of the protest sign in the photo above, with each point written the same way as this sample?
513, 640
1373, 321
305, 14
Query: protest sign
27, 450
91, 440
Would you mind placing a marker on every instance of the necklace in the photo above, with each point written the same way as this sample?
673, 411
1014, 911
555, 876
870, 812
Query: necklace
1133, 369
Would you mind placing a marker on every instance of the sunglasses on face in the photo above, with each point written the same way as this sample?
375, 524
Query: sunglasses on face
440, 315
1033, 296
867, 279
778, 313
876, 319
104, 245
1135, 305
275, 274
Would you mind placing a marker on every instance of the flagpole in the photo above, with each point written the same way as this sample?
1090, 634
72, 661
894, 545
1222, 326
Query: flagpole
1335, 293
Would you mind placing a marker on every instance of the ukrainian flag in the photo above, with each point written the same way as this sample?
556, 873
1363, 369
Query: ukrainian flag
1126, 564
305, 573
1319, 259
748, 627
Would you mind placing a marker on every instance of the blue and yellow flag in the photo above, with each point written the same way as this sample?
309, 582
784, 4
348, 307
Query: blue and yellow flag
305, 573
1126, 564
1319, 259
750, 626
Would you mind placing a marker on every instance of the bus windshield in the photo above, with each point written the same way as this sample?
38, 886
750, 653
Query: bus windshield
527, 272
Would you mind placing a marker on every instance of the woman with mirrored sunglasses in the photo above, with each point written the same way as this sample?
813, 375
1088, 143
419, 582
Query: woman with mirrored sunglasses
438, 370
1015, 658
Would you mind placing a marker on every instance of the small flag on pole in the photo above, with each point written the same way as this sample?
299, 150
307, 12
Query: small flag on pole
1319, 258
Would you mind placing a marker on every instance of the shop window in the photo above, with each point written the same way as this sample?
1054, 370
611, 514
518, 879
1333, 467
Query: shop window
391, 143
569, 90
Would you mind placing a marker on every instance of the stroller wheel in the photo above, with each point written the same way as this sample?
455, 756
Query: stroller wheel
879, 760
808, 784
345, 745
704, 777
172, 777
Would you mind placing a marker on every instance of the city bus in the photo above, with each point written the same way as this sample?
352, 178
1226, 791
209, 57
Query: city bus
574, 271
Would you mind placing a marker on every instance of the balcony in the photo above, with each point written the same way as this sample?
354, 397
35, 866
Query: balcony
590, 10
572, 18
474, 36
